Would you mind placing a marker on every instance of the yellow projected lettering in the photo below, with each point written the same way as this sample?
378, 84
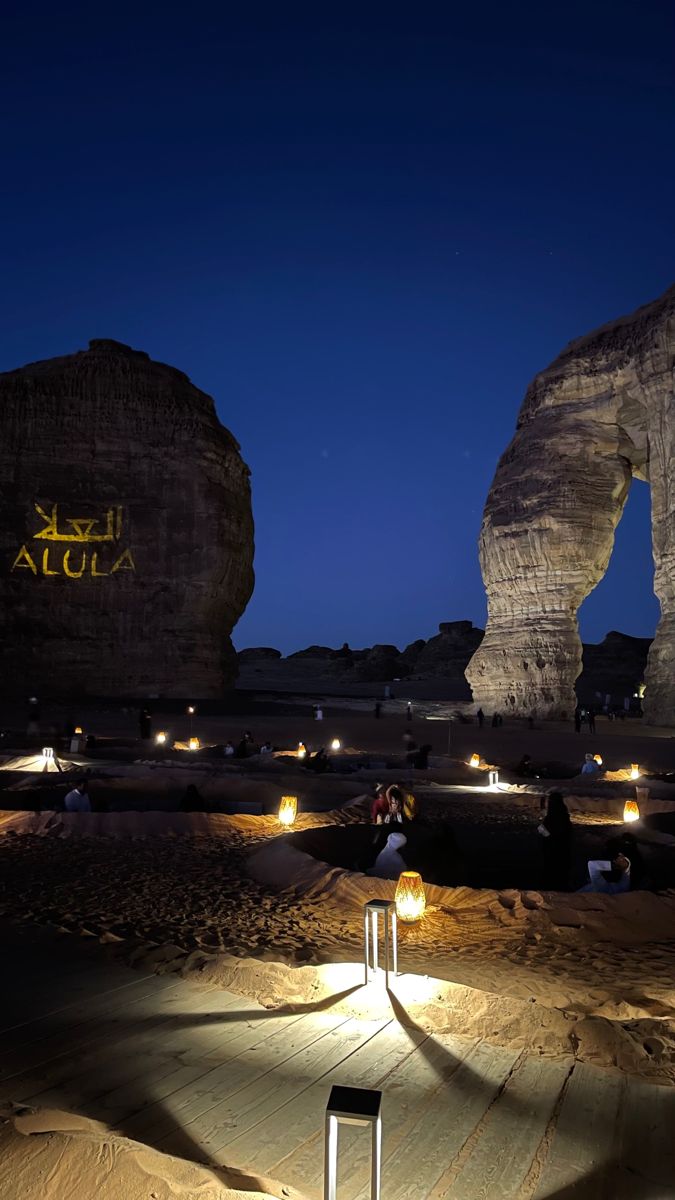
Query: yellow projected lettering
105, 531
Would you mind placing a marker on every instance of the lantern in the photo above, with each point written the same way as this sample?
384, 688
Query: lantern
598, 759
336, 744
191, 710
410, 897
631, 812
193, 744
160, 737
78, 730
474, 761
47, 752
302, 749
288, 810
635, 770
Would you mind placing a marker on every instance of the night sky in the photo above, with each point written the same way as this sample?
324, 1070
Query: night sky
363, 235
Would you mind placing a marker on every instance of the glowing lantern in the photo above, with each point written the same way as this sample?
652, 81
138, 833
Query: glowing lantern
336, 744
78, 730
47, 752
474, 761
411, 900
160, 737
631, 811
634, 770
194, 744
191, 710
288, 810
598, 759
302, 749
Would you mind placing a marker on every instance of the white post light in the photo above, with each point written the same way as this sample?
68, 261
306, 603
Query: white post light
494, 779
387, 910
352, 1106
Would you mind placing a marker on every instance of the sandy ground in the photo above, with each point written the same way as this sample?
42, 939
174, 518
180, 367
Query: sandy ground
229, 900
47, 1153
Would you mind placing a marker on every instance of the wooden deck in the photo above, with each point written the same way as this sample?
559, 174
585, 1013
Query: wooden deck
209, 1076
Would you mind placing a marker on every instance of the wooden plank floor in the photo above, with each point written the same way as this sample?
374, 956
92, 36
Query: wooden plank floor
213, 1077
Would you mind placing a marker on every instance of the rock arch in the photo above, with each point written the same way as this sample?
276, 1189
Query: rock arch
602, 413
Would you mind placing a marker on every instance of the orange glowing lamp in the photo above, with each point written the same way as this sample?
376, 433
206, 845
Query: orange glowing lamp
474, 761
411, 901
193, 744
288, 810
631, 811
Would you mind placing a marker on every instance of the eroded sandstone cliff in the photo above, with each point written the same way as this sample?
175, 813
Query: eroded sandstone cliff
601, 413
126, 533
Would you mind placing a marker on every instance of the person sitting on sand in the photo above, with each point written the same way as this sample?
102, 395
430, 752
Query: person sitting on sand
380, 805
191, 800
266, 748
394, 814
409, 744
420, 759
319, 762
590, 767
78, 800
389, 864
228, 750
556, 834
610, 876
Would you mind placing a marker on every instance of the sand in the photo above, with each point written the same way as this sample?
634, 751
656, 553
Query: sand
228, 901
47, 1153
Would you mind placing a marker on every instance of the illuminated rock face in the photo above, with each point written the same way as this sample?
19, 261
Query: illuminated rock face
126, 535
601, 413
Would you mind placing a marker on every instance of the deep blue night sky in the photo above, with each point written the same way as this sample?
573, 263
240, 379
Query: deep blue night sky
362, 233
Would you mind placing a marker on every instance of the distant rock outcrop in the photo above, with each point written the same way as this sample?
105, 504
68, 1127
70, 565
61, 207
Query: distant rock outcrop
600, 414
126, 534
614, 667
255, 653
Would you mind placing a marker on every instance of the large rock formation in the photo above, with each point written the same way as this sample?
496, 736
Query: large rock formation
126, 533
601, 413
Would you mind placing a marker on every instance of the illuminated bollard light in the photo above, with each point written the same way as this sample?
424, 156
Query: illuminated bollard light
372, 910
352, 1106
494, 779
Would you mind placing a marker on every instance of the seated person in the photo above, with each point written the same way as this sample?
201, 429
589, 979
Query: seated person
389, 864
420, 759
228, 749
319, 762
590, 766
380, 805
394, 813
266, 748
608, 876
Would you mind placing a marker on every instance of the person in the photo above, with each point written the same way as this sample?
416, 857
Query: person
191, 800
611, 876
495, 720
577, 719
33, 725
556, 833
228, 749
530, 722
590, 766
266, 748
480, 717
319, 762
389, 863
525, 767
409, 806
378, 710
242, 750
591, 720
380, 805
78, 799
394, 815
318, 712
145, 724
409, 743
420, 760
